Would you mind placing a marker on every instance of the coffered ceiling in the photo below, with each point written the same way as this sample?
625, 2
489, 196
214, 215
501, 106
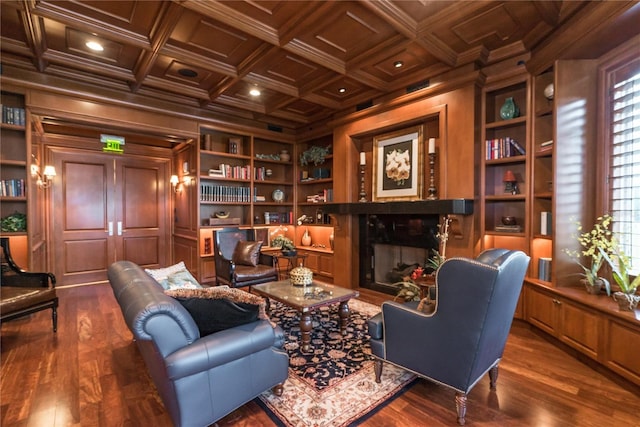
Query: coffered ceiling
309, 59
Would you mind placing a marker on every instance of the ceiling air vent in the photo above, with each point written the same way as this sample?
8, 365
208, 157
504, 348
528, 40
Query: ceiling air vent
364, 105
274, 128
417, 86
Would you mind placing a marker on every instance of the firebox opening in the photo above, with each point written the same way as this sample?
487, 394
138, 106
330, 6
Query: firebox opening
392, 246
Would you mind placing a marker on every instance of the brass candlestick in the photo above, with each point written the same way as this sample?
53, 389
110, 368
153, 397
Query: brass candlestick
433, 191
363, 194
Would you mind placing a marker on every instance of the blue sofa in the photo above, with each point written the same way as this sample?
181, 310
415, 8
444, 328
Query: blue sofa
200, 379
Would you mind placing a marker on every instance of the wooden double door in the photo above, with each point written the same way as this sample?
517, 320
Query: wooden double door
106, 208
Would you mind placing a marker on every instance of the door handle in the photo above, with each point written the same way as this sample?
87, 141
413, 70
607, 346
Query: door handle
110, 228
119, 228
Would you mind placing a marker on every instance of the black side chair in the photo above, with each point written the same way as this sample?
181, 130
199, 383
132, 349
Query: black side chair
463, 336
23, 293
238, 274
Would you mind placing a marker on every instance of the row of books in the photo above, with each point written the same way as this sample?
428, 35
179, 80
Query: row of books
278, 217
322, 196
544, 269
231, 171
13, 115
260, 174
239, 172
498, 148
13, 188
224, 193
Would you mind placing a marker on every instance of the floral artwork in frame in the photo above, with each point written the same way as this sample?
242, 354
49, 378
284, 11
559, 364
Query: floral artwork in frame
397, 165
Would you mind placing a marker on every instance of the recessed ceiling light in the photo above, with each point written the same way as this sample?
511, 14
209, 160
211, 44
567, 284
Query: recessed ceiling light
95, 46
398, 64
342, 90
254, 92
186, 72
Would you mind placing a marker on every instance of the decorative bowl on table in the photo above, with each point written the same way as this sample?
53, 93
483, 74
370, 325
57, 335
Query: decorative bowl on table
222, 214
301, 276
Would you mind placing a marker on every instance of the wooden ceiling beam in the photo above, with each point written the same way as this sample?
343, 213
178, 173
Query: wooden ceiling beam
68, 17
407, 26
34, 32
165, 22
222, 13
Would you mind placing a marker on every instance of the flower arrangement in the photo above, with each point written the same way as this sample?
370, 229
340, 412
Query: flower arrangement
398, 166
407, 289
314, 154
620, 264
283, 242
595, 243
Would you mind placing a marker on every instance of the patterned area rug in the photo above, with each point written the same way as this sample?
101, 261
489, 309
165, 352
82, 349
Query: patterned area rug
332, 384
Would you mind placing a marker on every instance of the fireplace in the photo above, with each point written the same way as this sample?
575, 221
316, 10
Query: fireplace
392, 246
396, 235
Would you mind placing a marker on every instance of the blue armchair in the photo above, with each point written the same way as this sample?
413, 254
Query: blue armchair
462, 336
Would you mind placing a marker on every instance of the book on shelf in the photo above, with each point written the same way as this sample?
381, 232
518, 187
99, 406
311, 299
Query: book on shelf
322, 196
499, 148
278, 217
12, 188
544, 269
13, 115
235, 171
545, 223
224, 193
546, 146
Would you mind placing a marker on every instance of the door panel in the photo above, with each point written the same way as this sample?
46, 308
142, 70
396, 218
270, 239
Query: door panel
107, 208
144, 212
142, 250
83, 256
85, 187
81, 211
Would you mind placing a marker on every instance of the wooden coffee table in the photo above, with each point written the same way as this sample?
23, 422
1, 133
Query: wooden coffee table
305, 299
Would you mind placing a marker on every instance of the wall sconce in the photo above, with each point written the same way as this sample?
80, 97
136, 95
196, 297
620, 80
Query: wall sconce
44, 180
174, 183
510, 182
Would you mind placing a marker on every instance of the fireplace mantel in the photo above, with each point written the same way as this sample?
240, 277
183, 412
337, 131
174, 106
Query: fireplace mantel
439, 207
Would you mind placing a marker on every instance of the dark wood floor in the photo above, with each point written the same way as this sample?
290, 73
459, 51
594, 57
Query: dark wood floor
91, 374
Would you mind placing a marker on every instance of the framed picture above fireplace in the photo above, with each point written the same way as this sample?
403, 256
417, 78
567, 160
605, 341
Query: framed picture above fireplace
397, 165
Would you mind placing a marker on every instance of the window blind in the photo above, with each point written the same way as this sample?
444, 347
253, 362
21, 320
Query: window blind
624, 169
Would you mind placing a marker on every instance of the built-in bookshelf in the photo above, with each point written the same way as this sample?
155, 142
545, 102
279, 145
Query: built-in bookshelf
315, 181
504, 171
13, 158
14, 170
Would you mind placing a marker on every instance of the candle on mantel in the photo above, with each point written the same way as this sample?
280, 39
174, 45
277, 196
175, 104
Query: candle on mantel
363, 158
432, 145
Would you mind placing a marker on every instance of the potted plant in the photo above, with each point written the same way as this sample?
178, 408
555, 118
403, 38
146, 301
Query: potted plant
314, 154
285, 244
616, 258
594, 243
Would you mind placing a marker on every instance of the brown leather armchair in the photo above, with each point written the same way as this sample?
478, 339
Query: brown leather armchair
240, 264
22, 292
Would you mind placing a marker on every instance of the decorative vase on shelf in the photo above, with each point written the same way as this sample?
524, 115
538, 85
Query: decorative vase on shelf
331, 241
285, 156
306, 238
509, 109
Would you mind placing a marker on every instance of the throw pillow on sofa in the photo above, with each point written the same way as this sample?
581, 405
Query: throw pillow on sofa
219, 308
174, 277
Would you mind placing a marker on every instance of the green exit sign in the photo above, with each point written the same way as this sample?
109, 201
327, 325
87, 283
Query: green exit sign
112, 144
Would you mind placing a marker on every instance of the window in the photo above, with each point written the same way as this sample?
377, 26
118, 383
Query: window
624, 159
